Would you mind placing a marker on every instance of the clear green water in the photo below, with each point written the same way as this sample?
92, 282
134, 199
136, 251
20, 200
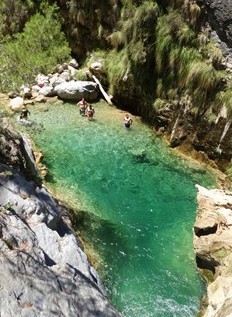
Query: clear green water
140, 206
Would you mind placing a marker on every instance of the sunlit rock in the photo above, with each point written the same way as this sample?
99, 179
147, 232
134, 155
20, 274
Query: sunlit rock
16, 103
213, 248
75, 90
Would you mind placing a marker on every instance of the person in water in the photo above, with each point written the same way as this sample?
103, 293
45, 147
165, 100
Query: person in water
24, 113
90, 112
82, 106
127, 121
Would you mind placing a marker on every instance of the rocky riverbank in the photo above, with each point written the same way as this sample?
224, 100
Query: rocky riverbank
43, 269
213, 246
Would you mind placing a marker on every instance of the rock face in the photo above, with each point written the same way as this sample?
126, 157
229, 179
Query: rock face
219, 14
213, 246
43, 270
185, 129
15, 150
88, 24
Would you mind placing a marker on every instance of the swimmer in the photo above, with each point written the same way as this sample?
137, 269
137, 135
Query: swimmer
90, 112
127, 121
82, 106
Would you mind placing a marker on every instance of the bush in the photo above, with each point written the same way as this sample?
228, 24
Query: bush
39, 48
13, 16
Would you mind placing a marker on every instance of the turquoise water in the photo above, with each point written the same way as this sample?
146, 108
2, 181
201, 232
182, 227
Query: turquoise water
138, 201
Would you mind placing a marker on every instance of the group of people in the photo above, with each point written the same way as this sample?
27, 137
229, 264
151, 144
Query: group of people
88, 110
85, 110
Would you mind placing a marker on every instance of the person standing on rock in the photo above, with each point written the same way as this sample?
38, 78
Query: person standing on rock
24, 113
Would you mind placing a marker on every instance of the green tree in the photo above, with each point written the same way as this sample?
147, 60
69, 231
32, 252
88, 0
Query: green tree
13, 16
39, 48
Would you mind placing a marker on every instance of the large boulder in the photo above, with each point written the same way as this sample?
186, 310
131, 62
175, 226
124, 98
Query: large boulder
213, 248
16, 104
75, 90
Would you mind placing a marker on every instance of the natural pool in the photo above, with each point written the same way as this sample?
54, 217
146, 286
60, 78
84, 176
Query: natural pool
140, 202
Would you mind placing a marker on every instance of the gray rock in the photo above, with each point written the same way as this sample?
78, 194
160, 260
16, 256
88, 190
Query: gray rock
47, 91
65, 75
16, 104
43, 270
219, 14
15, 150
75, 90
73, 63
72, 71
56, 80
213, 248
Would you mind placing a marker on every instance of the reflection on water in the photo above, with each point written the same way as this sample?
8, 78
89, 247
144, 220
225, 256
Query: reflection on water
138, 202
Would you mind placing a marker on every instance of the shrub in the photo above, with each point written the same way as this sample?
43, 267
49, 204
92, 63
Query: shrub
81, 74
39, 48
225, 98
13, 15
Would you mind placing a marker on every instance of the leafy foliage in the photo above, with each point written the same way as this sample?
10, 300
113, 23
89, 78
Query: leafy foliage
213, 53
13, 16
225, 98
133, 44
39, 48
161, 55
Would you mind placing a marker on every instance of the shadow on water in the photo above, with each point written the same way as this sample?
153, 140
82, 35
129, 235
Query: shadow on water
50, 177
143, 158
96, 229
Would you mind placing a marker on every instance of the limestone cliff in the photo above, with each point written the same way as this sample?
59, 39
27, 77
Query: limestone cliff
43, 270
213, 246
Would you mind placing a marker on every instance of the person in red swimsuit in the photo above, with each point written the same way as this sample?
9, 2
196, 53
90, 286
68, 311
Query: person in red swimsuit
90, 112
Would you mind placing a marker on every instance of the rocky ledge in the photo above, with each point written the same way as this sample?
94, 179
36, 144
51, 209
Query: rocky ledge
213, 248
43, 270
